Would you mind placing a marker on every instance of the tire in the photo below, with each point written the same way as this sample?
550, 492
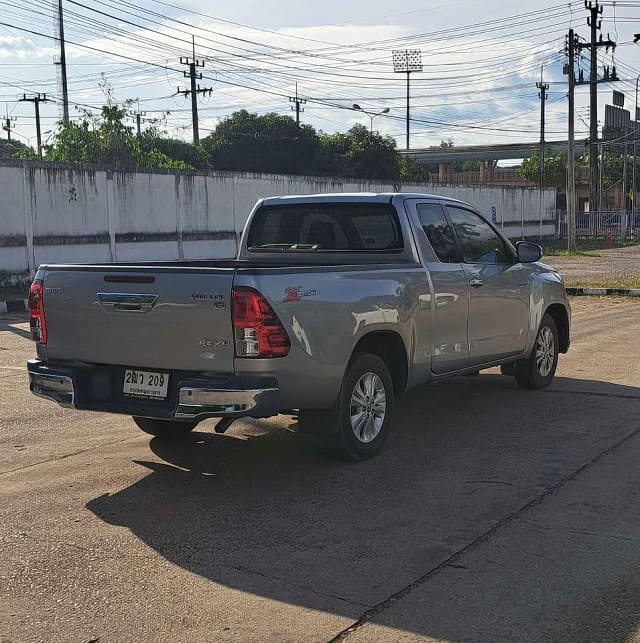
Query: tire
164, 428
538, 370
508, 369
367, 378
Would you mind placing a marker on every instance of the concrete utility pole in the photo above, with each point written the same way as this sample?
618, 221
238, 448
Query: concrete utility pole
296, 108
634, 125
36, 99
595, 23
8, 122
138, 116
193, 75
571, 157
623, 222
543, 87
63, 65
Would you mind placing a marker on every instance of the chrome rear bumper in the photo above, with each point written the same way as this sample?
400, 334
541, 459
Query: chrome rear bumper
58, 388
190, 398
199, 403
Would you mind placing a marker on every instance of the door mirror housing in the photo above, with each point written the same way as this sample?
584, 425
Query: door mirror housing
528, 252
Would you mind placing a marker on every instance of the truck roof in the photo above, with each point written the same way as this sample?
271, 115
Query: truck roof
353, 197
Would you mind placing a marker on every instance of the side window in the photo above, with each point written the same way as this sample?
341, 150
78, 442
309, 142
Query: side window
480, 243
438, 231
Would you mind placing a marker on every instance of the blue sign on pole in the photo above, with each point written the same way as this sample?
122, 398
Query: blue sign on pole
494, 214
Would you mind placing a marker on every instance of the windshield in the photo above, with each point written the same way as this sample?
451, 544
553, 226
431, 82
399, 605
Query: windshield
318, 227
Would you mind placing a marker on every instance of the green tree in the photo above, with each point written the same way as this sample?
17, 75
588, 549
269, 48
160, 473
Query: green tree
11, 149
248, 142
191, 155
470, 166
107, 140
360, 154
411, 171
555, 169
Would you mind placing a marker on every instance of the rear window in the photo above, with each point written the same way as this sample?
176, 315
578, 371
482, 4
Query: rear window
368, 227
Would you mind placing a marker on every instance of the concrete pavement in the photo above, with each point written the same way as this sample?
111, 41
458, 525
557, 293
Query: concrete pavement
492, 514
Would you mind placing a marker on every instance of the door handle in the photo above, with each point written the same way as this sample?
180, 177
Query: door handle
476, 283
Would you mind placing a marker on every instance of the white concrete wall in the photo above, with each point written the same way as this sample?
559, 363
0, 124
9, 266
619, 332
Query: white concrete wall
51, 213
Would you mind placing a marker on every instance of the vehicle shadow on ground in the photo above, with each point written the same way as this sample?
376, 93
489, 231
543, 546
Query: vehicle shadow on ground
10, 323
261, 511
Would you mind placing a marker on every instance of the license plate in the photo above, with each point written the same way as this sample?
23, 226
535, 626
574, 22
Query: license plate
146, 384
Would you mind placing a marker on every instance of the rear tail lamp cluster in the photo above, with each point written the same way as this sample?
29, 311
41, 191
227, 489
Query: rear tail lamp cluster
256, 328
37, 322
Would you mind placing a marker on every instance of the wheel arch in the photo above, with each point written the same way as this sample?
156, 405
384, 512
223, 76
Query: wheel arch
559, 314
389, 346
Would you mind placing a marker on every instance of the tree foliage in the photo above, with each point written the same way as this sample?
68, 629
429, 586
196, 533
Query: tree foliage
245, 142
555, 169
107, 140
359, 153
273, 143
11, 149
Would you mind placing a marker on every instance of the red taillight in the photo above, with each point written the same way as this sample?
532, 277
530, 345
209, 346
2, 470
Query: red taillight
256, 328
36, 313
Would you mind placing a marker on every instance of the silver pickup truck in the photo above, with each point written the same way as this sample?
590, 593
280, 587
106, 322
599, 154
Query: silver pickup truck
335, 305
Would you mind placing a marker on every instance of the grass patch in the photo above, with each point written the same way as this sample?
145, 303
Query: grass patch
557, 247
555, 252
616, 282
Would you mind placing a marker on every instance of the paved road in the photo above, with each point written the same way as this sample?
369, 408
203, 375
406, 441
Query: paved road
493, 514
612, 265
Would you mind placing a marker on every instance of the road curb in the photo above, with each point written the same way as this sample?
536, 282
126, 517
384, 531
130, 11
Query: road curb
620, 292
13, 306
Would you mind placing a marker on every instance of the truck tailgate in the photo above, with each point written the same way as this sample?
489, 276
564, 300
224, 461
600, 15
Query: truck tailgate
141, 317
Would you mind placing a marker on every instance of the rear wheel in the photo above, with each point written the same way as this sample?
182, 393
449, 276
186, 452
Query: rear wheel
164, 428
359, 425
538, 370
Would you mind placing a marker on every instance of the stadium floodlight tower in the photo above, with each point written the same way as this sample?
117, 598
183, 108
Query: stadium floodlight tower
407, 61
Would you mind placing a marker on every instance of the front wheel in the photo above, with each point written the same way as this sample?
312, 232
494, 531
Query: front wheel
359, 425
538, 369
164, 428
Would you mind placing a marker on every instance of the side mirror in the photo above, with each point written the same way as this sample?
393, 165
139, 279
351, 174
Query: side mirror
528, 252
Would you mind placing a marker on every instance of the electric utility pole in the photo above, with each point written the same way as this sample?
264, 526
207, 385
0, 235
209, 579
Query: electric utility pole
193, 64
571, 157
543, 87
137, 115
36, 99
595, 23
8, 123
63, 64
296, 108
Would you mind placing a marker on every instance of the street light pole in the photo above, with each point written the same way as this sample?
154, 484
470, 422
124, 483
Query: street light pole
371, 115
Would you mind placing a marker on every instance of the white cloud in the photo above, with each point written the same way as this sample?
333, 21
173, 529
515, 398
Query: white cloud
20, 48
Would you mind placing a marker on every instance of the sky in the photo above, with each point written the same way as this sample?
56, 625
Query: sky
481, 61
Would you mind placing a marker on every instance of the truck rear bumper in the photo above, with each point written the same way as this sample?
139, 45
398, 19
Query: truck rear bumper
192, 397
